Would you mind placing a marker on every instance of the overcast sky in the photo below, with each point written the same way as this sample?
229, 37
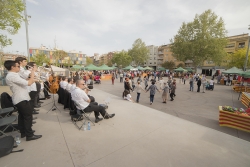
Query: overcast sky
100, 26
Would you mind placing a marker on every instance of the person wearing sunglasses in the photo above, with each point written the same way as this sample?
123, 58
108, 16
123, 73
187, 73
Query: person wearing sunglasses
79, 95
21, 98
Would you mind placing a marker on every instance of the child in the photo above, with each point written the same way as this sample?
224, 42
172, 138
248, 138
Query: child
152, 89
165, 93
139, 88
127, 96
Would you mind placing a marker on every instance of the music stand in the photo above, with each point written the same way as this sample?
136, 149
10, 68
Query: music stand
54, 107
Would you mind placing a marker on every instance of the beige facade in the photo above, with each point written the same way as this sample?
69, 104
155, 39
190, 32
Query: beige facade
165, 54
234, 43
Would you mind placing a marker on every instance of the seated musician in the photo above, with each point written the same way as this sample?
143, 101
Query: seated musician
70, 82
79, 95
64, 82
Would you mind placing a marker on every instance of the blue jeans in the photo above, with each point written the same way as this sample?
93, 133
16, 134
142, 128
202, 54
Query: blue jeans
138, 97
152, 98
191, 86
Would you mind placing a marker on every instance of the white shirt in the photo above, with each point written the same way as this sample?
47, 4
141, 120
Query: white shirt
23, 73
80, 97
128, 97
63, 84
18, 87
73, 86
32, 87
211, 82
161, 82
68, 87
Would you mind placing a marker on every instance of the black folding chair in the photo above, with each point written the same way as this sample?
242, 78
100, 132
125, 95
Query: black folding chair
7, 122
6, 112
82, 114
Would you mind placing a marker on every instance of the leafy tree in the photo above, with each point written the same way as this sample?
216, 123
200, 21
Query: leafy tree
11, 16
139, 52
89, 61
168, 65
59, 55
202, 39
238, 59
121, 59
181, 65
40, 58
110, 64
68, 63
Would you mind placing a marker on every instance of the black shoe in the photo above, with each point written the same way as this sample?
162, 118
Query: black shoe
33, 122
35, 112
24, 135
40, 102
34, 137
111, 115
37, 106
98, 119
34, 118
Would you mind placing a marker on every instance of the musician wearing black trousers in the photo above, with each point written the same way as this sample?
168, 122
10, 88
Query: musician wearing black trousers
21, 98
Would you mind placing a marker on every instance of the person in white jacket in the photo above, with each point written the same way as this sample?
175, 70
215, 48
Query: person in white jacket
138, 89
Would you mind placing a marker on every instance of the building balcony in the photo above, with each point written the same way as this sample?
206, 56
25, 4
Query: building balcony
160, 53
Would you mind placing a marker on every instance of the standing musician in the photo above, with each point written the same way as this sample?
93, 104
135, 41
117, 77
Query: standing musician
23, 73
21, 98
35, 88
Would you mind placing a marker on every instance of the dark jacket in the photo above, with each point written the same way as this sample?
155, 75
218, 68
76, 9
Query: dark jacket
199, 82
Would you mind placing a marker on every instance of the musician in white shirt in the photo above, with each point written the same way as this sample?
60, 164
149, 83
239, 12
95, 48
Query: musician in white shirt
79, 95
63, 83
70, 82
20, 98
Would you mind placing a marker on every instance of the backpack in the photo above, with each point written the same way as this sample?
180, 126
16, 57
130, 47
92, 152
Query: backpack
6, 146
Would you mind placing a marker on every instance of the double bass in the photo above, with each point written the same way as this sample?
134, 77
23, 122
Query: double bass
54, 82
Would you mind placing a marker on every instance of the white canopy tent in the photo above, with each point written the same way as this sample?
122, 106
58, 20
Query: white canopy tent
59, 71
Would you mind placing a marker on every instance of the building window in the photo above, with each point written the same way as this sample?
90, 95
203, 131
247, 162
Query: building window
231, 45
150, 63
154, 62
241, 45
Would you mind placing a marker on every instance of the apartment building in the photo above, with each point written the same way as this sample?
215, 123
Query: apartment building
152, 57
235, 43
165, 54
73, 56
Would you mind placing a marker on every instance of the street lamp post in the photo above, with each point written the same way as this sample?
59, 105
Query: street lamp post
26, 26
245, 66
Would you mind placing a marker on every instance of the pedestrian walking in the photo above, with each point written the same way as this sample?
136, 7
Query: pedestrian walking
191, 83
198, 85
113, 78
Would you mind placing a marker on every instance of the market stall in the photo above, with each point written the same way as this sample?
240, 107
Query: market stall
245, 99
234, 118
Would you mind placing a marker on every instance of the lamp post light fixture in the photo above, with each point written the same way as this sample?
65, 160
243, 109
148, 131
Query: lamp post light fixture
245, 65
